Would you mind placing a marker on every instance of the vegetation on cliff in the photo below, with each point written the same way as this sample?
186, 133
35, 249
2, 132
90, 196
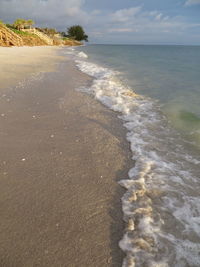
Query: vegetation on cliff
20, 24
39, 36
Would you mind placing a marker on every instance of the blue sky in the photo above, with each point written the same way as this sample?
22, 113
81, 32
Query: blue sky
115, 21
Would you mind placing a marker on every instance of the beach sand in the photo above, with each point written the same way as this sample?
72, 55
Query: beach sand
16, 63
61, 156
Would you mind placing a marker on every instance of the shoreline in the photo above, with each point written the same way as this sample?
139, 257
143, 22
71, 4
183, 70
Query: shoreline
161, 184
62, 155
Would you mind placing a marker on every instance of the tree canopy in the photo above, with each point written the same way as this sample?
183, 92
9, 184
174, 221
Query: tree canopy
76, 32
22, 23
29, 22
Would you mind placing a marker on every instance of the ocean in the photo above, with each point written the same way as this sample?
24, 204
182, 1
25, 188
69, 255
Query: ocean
155, 90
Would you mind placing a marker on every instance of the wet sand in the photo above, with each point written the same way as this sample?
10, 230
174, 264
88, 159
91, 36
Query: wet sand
61, 156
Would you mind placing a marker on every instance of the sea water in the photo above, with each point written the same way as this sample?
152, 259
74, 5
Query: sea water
155, 91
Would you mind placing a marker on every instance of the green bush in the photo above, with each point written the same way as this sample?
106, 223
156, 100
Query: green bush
65, 38
22, 33
76, 32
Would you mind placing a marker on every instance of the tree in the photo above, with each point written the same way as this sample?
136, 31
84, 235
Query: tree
76, 32
19, 24
22, 23
63, 34
29, 22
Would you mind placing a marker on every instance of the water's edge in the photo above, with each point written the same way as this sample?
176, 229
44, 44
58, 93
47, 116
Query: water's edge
160, 207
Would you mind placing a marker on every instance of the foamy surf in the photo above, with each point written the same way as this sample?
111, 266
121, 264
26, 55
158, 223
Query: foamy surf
82, 54
161, 207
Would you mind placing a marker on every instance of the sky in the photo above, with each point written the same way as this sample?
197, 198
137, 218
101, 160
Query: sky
114, 21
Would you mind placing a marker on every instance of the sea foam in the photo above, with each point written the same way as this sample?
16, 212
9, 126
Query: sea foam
82, 54
160, 207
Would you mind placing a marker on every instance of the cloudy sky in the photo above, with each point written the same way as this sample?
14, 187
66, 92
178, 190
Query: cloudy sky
114, 21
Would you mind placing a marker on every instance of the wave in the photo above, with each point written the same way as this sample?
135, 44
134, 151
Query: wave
71, 51
82, 54
161, 206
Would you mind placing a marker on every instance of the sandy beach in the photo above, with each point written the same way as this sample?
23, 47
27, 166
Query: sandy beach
17, 63
61, 156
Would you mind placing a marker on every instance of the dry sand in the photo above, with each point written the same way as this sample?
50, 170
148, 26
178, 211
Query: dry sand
61, 156
16, 63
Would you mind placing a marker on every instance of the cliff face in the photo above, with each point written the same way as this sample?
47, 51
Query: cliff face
32, 40
10, 38
72, 42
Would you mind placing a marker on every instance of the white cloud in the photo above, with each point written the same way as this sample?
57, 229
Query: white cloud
136, 20
96, 12
158, 17
124, 15
125, 30
192, 2
49, 12
137, 25
129, 24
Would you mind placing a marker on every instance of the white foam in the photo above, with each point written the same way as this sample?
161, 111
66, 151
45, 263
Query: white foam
187, 252
157, 177
82, 54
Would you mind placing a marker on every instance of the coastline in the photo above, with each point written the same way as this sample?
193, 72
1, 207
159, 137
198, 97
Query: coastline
161, 197
62, 155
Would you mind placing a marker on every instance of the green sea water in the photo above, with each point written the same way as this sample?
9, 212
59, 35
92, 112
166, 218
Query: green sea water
167, 74
161, 205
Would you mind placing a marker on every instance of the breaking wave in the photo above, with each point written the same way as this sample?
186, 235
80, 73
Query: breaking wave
161, 205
